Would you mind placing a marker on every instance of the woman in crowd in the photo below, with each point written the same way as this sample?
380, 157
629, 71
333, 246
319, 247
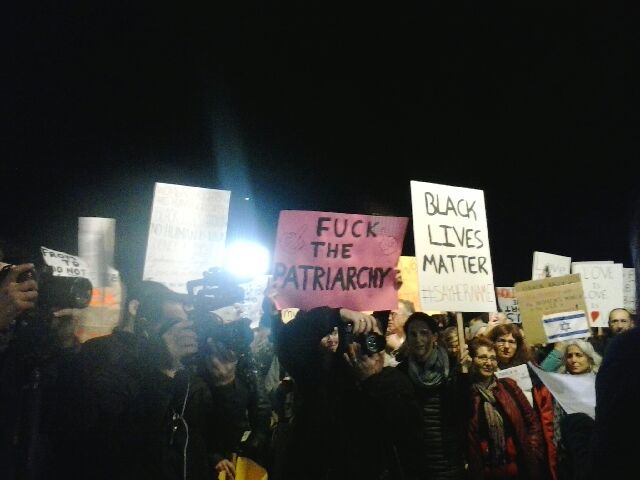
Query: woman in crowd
504, 433
511, 351
573, 357
441, 394
450, 341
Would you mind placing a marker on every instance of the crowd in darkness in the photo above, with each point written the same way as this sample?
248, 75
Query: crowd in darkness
179, 392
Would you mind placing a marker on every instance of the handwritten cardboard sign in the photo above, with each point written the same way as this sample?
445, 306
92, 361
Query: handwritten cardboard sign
65, 265
603, 289
537, 298
508, 303
409, 289
630, 289
337, 260
452, 248
549, 265
187, 234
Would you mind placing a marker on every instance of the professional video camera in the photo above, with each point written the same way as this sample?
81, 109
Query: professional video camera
214, 291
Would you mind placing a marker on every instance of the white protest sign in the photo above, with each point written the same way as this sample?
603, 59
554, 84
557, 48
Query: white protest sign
575, 393
566, 326
96, 245
519, 374
629, 275
508, 303
187, 234
590, 262
603, 289
452, 248
63, 264
549, 265
253, 296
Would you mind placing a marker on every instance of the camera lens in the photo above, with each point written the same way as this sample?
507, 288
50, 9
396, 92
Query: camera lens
81, 291
374, 343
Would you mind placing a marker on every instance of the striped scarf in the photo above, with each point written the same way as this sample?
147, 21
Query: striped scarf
495, 423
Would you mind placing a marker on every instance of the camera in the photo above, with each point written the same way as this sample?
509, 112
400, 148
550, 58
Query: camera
226, 338
55, 291
370, 343
215, 290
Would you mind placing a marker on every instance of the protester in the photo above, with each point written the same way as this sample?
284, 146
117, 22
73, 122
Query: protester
16, 299
450, 341
511, 351
573, 357
620, 320
441, 393
395, 335
239, 401
505, 437
143, 408
354, 419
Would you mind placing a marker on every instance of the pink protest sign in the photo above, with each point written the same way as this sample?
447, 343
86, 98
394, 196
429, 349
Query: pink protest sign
337, 260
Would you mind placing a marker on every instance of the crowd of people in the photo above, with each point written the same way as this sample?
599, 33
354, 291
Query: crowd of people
176, 392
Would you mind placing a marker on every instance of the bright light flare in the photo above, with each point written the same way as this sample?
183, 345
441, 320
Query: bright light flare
247, 259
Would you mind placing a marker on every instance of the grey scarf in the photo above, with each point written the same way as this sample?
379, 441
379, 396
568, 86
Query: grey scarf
433, 372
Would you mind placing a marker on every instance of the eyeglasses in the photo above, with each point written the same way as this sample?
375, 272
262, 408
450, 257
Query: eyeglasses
506, 342
484, 359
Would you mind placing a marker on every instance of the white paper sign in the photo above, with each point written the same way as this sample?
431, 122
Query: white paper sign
549, 265
566, 326
519, 374
508, 304
253, 296
575, 393
629, 289
96, 245
452, 248
603, 289
187, 234
65, 265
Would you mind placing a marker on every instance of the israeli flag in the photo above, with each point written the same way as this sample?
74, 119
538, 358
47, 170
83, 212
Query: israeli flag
565, 326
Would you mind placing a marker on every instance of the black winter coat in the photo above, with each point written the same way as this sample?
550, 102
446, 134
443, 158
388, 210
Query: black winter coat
343, 429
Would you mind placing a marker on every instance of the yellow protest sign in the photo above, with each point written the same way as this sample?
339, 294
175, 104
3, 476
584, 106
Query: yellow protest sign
409, 289
246, 469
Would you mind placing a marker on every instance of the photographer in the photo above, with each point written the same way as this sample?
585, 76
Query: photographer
16, 298
353, 418
140, 414
239, 401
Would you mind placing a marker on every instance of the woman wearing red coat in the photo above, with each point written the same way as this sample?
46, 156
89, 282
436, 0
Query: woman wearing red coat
505, 436
512, 351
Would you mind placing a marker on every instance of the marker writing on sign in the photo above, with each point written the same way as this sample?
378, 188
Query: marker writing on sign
438, 206
313, 277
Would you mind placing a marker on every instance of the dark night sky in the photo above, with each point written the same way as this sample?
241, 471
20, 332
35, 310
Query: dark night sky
318, 106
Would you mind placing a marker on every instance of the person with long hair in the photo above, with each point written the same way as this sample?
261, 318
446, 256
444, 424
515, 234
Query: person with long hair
573, 357
512, 351
580, 358
505, 438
